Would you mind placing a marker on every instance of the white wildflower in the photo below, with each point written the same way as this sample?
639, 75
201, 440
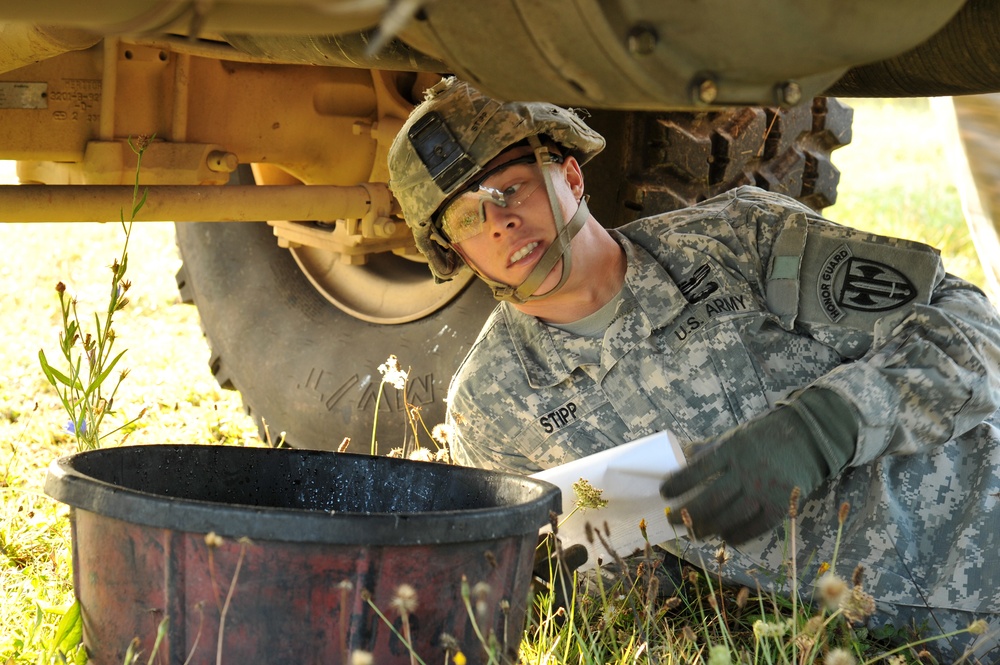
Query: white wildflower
392, 374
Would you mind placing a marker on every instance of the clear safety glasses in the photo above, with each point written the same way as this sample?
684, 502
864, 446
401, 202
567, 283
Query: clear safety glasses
507, 186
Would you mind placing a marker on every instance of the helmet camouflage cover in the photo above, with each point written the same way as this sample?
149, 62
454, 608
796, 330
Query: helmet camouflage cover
448, 139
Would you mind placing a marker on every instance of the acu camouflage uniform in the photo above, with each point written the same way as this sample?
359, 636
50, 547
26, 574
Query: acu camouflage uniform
727, 309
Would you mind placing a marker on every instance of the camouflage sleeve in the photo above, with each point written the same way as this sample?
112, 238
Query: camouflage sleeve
928, 378
918, 375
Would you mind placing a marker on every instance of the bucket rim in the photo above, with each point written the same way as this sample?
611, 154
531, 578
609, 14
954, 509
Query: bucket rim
69, 485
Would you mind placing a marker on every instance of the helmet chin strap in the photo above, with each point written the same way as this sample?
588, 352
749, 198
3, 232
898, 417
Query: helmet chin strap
559, 249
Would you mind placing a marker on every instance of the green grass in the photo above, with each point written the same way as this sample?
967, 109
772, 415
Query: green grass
895, 181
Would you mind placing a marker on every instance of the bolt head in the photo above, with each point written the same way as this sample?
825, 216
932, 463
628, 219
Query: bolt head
705, 89
642, 39
790, 93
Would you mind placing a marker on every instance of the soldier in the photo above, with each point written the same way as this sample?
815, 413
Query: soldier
782, 349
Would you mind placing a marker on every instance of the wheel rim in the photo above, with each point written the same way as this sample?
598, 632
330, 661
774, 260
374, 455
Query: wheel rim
388, 289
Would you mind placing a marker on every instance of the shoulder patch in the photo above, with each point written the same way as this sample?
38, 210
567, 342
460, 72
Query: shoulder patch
852, 278
850, 282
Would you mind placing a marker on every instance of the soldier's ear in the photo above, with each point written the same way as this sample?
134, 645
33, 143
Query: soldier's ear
574, 175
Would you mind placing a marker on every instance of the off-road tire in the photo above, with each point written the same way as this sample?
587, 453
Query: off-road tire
309, 370
303, 367
656, 162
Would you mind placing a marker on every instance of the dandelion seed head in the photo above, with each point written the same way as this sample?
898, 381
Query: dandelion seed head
839, 656
770, 629
421, 455
481, 590
443, 456
814, 626
443, 433
978, 627
718, 654
405, 600
359, 657
480, 594
832, 588
857, 605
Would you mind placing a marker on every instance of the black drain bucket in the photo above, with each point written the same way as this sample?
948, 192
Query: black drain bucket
302, 540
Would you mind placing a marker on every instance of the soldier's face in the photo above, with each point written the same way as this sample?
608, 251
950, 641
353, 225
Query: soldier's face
506, 225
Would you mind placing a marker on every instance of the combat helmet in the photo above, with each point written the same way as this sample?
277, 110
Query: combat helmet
450, 137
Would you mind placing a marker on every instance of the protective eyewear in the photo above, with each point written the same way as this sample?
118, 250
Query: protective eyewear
507, 186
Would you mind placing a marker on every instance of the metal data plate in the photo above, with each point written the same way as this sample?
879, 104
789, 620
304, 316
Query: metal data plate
21, 95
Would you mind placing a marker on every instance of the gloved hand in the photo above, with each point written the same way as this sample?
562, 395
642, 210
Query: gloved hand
748, 473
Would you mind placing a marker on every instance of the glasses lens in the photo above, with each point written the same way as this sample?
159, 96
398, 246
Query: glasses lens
507, 187
465, 216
